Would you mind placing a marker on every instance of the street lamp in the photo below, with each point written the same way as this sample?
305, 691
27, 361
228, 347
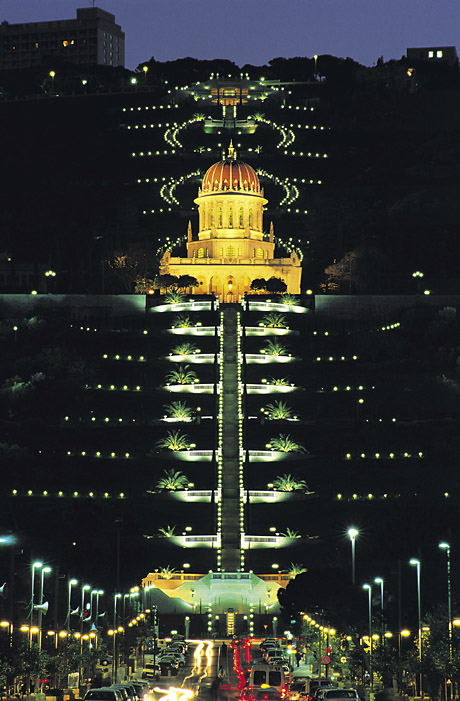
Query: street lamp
352, 534
84, 588
379, 580
35, 566
369, 591
45, 570
99, 593
446, 547
72, 583
145, 69
416, 563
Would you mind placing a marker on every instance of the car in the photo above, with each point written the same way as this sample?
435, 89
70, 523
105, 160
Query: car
180, 659
128, 691
169, 662
338, 695
151, 671
105, 693
316, 686
296, 688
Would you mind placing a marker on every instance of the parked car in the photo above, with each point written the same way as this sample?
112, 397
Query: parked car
151, 671
317, 685
180, 659
338, 695
106, 693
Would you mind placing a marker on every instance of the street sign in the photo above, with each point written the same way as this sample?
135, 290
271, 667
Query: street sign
326, 659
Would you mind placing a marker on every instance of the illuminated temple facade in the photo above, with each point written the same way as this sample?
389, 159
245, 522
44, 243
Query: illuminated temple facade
231, 249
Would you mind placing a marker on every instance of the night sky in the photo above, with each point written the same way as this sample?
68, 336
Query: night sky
254, 31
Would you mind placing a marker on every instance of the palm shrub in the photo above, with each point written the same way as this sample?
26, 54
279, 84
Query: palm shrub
294, 569
290, 533
172, 481
278, 410
285, 444
184, 349
167, 532
181, 376
174, 440
183, 321
289, 483
278, 381
274, 348
274, 320
167, 572
178, 410
290, 300
174, 297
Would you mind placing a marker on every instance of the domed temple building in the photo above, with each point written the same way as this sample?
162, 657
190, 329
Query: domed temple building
231, 249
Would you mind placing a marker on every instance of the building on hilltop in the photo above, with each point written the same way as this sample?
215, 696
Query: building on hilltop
447, 54
91, 38
231, 249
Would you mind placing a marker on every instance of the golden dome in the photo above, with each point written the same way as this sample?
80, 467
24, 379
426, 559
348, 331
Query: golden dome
231, 174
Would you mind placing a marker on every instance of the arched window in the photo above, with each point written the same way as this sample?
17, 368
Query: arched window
260, 253
219, 218
239, 252
230, 217
201, 253
210, 219
250, 218
230, 252
240, 218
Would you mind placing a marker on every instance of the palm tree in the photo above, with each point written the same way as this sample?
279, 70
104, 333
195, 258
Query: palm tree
174, 297
183, 321
181, 376
274, 348
274, 320
173, 481
178, 410
278, 410
184, 349
167, 532
291, 533
198, 116
167, 572
290, 300
295, 569
174, 440
289, 483
278, 381
286, 444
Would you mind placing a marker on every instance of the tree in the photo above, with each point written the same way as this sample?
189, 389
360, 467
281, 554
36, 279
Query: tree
278, 410
185, 281
275, 284
179, 410
360, 270
165, 282
132, 264
289, 483
181, 376
274, 320
259, 284
174, 440
286, 444
172, 481
274, 348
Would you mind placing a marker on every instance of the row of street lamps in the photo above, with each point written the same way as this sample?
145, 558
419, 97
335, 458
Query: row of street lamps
352, 534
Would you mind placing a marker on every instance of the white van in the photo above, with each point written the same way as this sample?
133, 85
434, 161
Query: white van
267, 676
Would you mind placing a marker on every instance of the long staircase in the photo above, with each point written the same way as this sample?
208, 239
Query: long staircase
231, 509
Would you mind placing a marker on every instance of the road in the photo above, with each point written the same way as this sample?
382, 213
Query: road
205, 660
